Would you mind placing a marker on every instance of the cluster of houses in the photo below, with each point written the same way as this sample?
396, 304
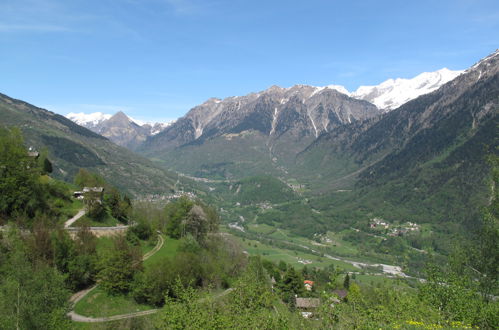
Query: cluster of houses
378, 223
408, 227
176, 195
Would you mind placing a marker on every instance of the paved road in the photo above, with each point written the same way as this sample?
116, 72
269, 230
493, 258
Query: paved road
73, 219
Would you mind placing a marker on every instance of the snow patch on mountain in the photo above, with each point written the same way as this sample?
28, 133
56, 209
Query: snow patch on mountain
88, 119
392, 93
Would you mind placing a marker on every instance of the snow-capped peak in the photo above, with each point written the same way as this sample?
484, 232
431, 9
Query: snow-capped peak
94, 121
88, 119
339, 88
392, 93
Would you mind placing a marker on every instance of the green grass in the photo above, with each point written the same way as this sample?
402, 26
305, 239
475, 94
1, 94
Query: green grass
147, 246
339, 245
98, 304
70, 209
169, 249
106, 221
105, 243
261, 228
276, 254
142, 322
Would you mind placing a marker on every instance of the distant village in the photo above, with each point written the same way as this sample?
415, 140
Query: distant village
394, 230
170, 197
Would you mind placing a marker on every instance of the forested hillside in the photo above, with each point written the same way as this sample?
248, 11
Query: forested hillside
71, 147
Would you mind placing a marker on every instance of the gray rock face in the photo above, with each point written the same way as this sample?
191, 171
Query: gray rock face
119, 128
123, 131
298, 112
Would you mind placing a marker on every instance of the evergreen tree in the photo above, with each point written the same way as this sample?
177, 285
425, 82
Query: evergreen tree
291, 285
346, 282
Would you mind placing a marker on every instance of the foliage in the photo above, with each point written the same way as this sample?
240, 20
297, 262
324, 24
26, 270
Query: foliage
119, 266
32, 293
184, 216
20, 191
291, 285
175, 213
210, 266
119, 205
249, 305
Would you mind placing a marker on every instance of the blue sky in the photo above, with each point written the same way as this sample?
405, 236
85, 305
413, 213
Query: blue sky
155, 59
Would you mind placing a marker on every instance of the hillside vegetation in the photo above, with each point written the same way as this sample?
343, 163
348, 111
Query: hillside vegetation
71, 147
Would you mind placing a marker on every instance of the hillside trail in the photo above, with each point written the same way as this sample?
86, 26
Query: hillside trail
78, 215
75, 298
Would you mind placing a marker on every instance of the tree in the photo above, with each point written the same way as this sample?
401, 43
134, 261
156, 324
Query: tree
120, 206
20, 191
196, 223
291, 285
346, 282
175, 213
44, 163
32, 294
119, 266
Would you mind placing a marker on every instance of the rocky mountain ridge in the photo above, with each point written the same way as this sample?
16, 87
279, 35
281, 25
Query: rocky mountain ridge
301, 111
119, 128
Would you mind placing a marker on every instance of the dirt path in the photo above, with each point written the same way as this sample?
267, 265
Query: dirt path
80, 318
158, 246
73, 219
81, 294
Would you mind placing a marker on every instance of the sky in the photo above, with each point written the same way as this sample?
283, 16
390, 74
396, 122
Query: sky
156, 59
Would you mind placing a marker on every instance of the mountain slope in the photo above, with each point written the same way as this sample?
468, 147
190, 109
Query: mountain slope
259, 133
72, 147
428, 156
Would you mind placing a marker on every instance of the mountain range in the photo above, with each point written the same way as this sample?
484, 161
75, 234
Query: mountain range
423, 160
131, 133
268, 129
119, 128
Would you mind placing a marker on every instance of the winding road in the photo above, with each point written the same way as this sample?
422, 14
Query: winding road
81, 294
